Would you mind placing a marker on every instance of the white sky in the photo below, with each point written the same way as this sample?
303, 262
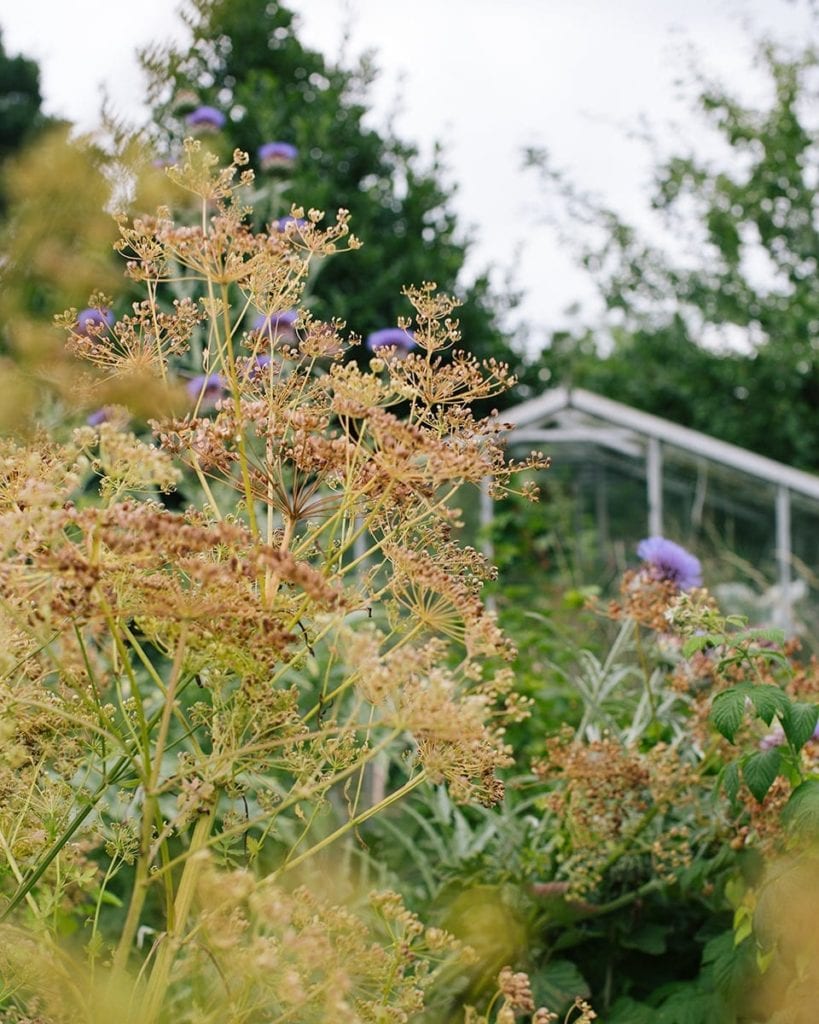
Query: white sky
485, 77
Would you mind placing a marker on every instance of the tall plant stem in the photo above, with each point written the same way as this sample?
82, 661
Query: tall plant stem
359, 819
141, 879
160, 975
237, 405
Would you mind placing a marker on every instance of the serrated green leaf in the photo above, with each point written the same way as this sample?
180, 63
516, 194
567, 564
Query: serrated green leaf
627, 1011
801, 812
688, 1005
558, 983
799, 722
771, 636
759, 771
730, 780
727, 711
768, 701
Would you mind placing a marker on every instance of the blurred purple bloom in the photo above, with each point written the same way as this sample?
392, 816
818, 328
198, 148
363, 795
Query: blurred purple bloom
208, 118
392, 337
278, 325
669, 561
277, 154
776, 737
94, 317
255, 366
283, 223
209, 386
97, 417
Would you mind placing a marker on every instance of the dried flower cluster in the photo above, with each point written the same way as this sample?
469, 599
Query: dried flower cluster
211, 686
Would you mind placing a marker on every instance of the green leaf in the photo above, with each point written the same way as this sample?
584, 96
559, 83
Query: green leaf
759, 771
727, 711
743, 925
699, 643
627, 1011
687, 1005
650, 938
768, 701
799, 721
801, 812
730, 781
771, 636
558, 983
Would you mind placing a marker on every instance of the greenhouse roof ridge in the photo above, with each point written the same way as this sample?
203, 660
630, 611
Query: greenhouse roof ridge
537, 410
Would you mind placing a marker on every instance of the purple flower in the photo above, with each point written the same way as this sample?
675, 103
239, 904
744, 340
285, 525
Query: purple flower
668, 561
256, 366
208, 387
97, 417
776, 737
278, 325
277, 154
393, 337
94, 317
206, 119
283, 223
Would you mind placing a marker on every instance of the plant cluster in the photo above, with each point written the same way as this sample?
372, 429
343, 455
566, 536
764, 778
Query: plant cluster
211, 639
651, 859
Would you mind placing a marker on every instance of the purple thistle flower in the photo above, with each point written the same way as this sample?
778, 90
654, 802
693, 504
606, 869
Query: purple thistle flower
208, 386
279, 326
93, 318
669, 561
393, 337
206, 119
277, 154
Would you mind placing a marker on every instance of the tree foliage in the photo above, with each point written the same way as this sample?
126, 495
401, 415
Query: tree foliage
20, 100
245, 58
743, 269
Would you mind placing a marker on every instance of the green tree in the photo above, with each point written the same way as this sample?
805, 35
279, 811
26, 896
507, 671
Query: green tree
750, 219
20, 101
246, 60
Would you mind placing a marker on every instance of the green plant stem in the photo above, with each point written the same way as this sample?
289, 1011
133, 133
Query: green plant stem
623, 846
355, 822
23, 891
149, 808
628, 897
237, 405
286, 804
160, 975
15, 870
641, 656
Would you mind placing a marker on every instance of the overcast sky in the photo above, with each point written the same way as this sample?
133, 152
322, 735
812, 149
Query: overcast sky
485, 77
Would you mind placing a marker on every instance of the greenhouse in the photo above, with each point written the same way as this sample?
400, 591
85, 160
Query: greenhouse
687, 483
